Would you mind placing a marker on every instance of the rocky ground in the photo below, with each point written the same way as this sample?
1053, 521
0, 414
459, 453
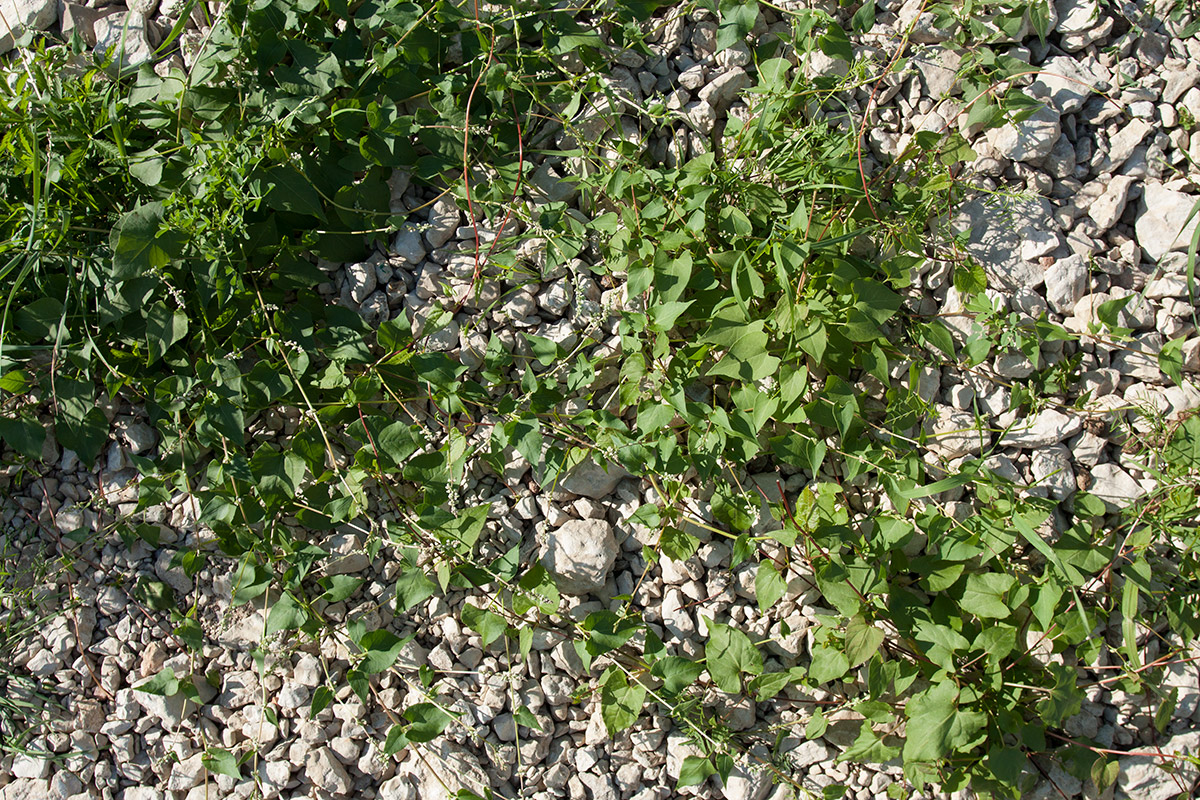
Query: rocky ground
1097, 190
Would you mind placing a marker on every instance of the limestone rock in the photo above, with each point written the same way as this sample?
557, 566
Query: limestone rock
1162, 223
996, 229
1115, 486
1045, 428
1144, 777
591, 480
580, 554
17, 16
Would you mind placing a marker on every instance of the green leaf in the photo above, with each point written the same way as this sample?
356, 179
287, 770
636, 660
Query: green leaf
136, 246
744, 344
412, 588
868, 747
190, 633
488, 625
836, 44
155, 594
962, 731
1006, 763
41, 319
828, 663
1065, 698
816, 726
396, 740
1104, 773
163, 329
930, 721
969, 277
427, 722
221, 761
997, 640
737, 20
1170, 359
79, 424
380, 650
862, 22
607, 631
539, 590
15, 381
694, 771
678, 544
164, 683
728, 654
769, 587
620, 701
769, 684
984, 595
1039, 18
523, 716
287, 614
321, 699
525, 435
23, 435
677, 673
1183, 450
290, 190
862, 641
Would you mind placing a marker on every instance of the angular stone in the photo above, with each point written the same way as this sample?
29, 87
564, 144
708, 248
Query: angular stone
126, 37
1077, 16
1115, 487
1051, 468
591, 480
1162, 223
1045, 428
724, 89
346, 554
186, 774
938, 68
325, 772
361, 280
17, 16
1123, 143
1109, 206
1178, 82
81, 20
443, 222
953, 433
994, 227
580, 554
1066, 281
1066, 82
1145, 777
408, 244
1030, 140
441, 768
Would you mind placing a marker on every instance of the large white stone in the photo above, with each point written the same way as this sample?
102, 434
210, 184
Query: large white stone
1144, 777
1066, 83
1162, 223
592, 480
1029, 140
441, 768
580, 554
953, 433
996, 228
1114, 486
1045, 428
126, 37
17, 16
